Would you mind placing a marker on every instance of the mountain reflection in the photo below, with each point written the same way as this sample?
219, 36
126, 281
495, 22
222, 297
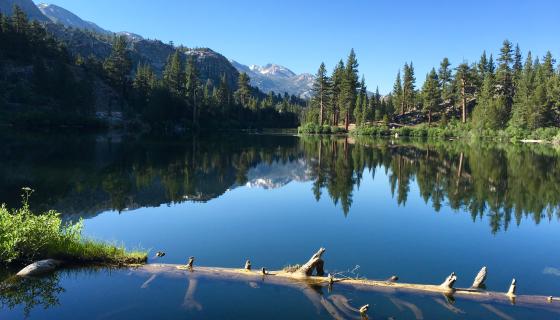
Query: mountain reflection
82, 176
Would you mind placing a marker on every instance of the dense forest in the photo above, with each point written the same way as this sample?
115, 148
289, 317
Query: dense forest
43, 84
516, 94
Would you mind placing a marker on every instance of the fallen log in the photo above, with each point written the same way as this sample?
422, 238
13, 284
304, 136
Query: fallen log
303, 277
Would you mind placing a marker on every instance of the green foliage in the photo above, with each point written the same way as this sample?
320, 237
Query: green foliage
26, 237
372, 130
313, 128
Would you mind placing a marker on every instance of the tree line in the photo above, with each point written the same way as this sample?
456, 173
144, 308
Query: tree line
70, 84
514, 93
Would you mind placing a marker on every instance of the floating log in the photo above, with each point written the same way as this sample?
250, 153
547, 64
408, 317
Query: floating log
304, 279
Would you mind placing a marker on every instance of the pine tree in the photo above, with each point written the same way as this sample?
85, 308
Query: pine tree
375, 105
20, 23
486, 114
223, 94
349, 87
321, 91
504, 80
463, 77
144, 81
337, 80
491, 67
522, 99
408, 88
517, 63
192, 86
431, 94
243, 93
397, 94
445, 78
173, 74
117, 66
361, 112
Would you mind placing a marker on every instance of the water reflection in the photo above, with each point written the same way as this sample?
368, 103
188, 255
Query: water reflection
134, 294
85, 175
30, 293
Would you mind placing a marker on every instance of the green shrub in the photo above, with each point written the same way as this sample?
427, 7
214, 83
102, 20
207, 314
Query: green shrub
313, 128
26, 237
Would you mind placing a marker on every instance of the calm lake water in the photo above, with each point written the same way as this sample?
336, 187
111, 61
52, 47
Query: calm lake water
416, 209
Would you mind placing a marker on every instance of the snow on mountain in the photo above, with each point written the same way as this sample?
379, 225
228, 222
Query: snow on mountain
273, 77
278, 174
60, 15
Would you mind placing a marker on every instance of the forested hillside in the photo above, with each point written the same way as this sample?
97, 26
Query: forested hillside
48, 80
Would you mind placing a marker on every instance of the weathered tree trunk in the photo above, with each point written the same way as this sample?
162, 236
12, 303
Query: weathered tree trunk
347, 120
321, 112
464, 100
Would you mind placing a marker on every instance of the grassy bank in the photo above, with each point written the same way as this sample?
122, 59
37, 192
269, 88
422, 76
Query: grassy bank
26, 237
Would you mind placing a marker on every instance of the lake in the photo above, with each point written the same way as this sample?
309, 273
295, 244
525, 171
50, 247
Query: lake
416, 209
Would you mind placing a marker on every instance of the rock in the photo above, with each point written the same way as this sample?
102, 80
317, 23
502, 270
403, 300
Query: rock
39, 267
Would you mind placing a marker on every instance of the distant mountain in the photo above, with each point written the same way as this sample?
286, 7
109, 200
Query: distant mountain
33, 13
60, 15
279, 79
278, 174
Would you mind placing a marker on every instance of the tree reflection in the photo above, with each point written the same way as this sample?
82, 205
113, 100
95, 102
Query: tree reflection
30, 293
87, 175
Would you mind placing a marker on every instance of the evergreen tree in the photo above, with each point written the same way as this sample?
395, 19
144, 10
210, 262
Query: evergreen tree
445, 78
349, 87
397, 96
337, 80
173, 74
144, 81
117, 66
464, 80
192, 86
487, 114
408, 88
321, 91
223, 94
431, 94
243, 93
504, 81
522, 99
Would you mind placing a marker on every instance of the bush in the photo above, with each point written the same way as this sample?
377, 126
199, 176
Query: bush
368, 130
313, 128
26, 237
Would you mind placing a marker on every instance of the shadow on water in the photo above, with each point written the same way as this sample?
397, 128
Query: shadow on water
82, 176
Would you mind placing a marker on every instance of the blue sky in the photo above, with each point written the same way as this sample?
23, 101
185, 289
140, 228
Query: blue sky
301, 34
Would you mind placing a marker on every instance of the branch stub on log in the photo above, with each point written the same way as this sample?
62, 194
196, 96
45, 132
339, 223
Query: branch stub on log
449, 281
480, 279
